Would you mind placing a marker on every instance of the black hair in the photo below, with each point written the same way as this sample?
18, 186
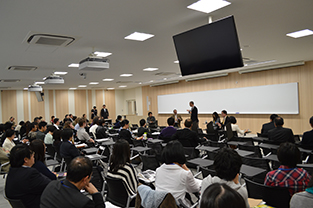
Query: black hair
17, 155
142, 122
40, 117
120, 155
124, 122
311, 120
52, 117
170, 121
66, 134
227, 164
55, 120
288, 154
220, 195
79, 168
65, 115
95, 120
7, 125
149, 113
31, 126
279, 121
70, 115
57, 136
188, 123
42, 124
215, 116
101, 121
38, 147
81, 121
173, 152
191, 102
232, 119
224, 111
273, 116
21, 123
51, 128
35, 119
9, 133
2, 128
119, 117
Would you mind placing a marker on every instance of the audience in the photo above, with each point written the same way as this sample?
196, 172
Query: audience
67, 193
225, 119
49, 136
52, 119
67, 148
68, 125
33, 131
23, 182
118, 121
177, 119
280, 134
227, 164
307, 139
125, 133
235, 127
101, 130
268, 126
216, 118
169, 131
19, 126
42, 128
95, 124
56, 123
288, 175
173, 176
221, 195
142, 129
4, 158
303, 199
151, 120
82, 135
8, 142
94, 112
39, 148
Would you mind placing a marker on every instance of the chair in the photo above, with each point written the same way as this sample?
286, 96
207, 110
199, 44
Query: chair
256, 162
309, 169
190, 153
97, 179
15, 203
117, 194
255, 149
205, 172
149, 162
1, 171
156, 149
138, 143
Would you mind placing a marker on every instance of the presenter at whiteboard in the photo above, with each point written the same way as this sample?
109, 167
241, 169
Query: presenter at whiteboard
193, 116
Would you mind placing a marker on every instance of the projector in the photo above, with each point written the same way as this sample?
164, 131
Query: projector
54, 80
93, 64
34, 88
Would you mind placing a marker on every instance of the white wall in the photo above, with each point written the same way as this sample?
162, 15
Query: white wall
122, 96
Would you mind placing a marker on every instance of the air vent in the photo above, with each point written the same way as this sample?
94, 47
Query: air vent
123, 82
165, 73
49, 39
9, 80
22, 68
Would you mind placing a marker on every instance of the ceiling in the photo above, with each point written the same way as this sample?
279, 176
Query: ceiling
97, 25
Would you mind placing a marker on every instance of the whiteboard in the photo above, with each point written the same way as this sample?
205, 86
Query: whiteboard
267, 99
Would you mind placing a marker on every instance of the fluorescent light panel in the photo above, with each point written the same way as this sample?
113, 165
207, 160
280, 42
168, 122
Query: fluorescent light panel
123, 86
126, 75
176, 62
102, 54
82, 85
150, 69
139, 36
73, 88
25, 88
39, 83
73, 65
208, 6
60, 73
94, 83
110, 88
301, 33
107, 80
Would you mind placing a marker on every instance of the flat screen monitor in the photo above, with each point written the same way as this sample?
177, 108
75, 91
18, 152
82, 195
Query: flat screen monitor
208, 48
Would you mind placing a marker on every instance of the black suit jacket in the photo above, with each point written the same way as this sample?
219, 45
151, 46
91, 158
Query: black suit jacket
280, 135
187, 137
307, 140
194, 114
226, 121
266, 127
104, 114
68, 150
65, 194
26, 184
142, 130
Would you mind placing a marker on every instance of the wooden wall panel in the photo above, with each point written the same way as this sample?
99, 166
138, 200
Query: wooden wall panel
25, 101
51, 105
61, 103
99, 100
80, 102
37, 108
89, 103
301, 74
110, 104
9, 106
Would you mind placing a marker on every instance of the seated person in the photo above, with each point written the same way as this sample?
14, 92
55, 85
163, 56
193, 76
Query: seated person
56, 122
121, 168
4, 158
142, 129
68, 125
221, 195
186, 136
67, 148
169, 131
39, 148
33, 131
8, 142
48, 140
67, 193
288, 175
101, 130
216, 118
173, 176
42, 128
125, 132
304, 198
227, 164
24, 182
280, 134
307, 139
95, 124
268, 126
235, 127
151, 120
225, 119
177, 119
118, 121
82, 135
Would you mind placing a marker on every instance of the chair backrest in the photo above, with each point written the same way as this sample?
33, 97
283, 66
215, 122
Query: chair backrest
190, 153
117, 193
15, 203
150, 162
229, 132
50, 150
256, 162
255, 149
97, 178
210, 127
307, 168
200, 131
205, 172
138, 143
255, 190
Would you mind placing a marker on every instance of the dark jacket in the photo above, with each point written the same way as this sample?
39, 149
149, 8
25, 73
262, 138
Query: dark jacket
187, 137
42, 168
142, 130
65, 194
26, 184
194, 114
68, 150
104, 114
266, 127
125, 134
101, 132
280, 135
307, 140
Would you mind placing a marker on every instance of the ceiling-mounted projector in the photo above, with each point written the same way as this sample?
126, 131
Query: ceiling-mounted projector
54, 79
34, 88
94, 64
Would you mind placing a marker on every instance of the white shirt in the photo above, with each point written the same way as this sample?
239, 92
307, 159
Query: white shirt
56, 126
236, 128
93, 129
7, 144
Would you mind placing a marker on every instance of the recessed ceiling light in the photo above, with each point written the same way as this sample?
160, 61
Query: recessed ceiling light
165, 78
102, 54
82, 85
73, 88
151, 80
150, 69
25, 88
140, 83
300, 33
123, 86
138, 36
39, 83
176, 62
107, 80
110, 88
60, 73
73, 65
94, 83
208, 6
126, 75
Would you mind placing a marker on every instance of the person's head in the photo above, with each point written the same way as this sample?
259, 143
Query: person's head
56, 121
94, 107
9, 133
220, 195
224, 113
21, 123
119, 118
70, 115
84, 116
8, 125
188, 123
32, 127
79, 171
40, 117
51, 129
36, 119
215, 116
66, 116
191, 103
279, 121
66, 134
68, 125
142, 122
125, 124
289, 154
173, 153
101, 122
120, 155
57, 135
82, 122
103, 106
232, 119
95, 120
150, 114
21, 155
175, 111
52, 118
170, 121
39, 148
273, 116
311, 121
11, 119
42, 126
227, 164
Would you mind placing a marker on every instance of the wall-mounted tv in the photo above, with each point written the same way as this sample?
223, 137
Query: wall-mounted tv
211, 47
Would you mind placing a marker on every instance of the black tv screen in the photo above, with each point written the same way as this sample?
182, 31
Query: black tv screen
211, 47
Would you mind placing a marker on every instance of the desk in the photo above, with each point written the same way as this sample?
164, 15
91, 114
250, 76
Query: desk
272, 157
108, 143
102, 140
156, 133
236, 143
155, 141
244, 153
305, 150
95, 157
91, 150
208, 148
269, 146
112, 135
251, 171
201, 162
81, 145
140, 149
260, 139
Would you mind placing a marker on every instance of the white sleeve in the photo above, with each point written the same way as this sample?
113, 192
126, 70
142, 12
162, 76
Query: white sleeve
191, 184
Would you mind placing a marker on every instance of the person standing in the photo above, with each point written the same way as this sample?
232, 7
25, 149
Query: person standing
94, 112
104, 112
194, 116
177, 118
